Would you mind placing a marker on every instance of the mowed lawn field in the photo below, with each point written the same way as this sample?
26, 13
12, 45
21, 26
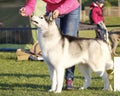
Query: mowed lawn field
31, 78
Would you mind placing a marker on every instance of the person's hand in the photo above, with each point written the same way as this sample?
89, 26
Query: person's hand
55, 14
22, 11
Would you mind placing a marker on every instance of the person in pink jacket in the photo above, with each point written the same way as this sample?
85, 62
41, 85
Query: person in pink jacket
97, 18
67, 15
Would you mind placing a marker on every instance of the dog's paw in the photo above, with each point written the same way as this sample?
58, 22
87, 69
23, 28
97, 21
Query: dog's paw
110, 88
57, 91
82, 88
51, 90
105, 89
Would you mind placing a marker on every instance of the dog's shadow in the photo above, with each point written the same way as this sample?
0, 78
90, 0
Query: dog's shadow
29, 86
23, 86
26, 86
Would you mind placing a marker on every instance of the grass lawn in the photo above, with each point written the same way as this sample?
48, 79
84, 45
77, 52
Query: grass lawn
112, 20
31, 78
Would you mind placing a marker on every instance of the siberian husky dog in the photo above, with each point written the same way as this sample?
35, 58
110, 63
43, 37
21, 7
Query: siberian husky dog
61, 51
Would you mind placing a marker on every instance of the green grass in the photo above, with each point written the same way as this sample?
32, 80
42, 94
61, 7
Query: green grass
31, 78
112, 21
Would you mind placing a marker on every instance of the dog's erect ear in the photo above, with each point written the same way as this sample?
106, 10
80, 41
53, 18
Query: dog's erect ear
49, 17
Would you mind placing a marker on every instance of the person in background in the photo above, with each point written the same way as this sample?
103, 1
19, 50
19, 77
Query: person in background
96, 15
67, 15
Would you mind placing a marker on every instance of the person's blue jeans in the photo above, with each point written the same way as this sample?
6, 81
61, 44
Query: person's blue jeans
102, 32
68, 24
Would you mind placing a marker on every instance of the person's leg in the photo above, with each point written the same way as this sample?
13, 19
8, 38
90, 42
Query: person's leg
68, 24
70, 27
97, 32
101, 33
101, 26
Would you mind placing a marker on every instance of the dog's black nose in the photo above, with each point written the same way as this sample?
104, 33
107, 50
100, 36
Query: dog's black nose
31, 16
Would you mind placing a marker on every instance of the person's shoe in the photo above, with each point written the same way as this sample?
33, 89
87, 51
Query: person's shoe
69, 84
40, 58
34, 58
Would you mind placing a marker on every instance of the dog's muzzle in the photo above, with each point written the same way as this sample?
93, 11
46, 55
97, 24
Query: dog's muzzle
34, 21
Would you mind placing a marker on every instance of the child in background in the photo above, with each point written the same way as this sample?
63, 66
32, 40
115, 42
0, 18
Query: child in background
97, 19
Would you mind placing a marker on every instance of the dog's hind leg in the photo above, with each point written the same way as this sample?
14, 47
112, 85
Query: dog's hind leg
60, 78
106, 81
86, 71
104, 76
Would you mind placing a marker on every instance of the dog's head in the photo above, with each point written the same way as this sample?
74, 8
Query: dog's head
42, 21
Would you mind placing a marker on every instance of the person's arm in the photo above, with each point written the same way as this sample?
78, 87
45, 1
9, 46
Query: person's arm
66, 6
28, 8
53, 1
95, 15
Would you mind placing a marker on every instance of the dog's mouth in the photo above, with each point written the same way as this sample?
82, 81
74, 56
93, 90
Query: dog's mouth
34, 21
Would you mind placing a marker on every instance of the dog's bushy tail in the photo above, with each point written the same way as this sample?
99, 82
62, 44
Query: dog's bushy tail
110, 73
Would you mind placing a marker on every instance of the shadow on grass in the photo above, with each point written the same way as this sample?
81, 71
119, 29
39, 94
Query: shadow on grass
13, 86
24, 75
93, 77
27, 86
18, 86
36, 87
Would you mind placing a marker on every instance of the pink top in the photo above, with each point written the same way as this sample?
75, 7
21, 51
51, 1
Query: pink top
97, 13
64, 6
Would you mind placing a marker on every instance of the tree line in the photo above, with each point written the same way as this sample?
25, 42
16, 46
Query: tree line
108, 3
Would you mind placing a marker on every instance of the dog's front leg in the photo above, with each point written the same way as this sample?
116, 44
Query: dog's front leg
60, 79
53, 78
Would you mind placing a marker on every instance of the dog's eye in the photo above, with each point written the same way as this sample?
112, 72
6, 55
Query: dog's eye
41, 17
